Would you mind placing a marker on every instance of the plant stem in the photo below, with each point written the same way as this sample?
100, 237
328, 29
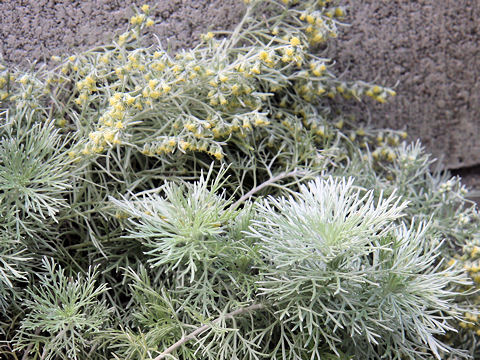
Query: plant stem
29, 348
206, 327
234, 37
262, 185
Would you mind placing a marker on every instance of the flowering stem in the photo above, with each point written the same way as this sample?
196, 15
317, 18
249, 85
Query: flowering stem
234, 37
206, 327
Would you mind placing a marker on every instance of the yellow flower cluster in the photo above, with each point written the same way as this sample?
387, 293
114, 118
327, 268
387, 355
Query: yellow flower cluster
268, 58
316, 28
111, 123
137, 19
317, 68
471, 323
379, 93
292, 54
208, 36
4, 80
471, 261
169, 144
446, 186
87, 84
155, 90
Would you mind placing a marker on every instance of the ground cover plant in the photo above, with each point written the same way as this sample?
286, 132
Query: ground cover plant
218, 203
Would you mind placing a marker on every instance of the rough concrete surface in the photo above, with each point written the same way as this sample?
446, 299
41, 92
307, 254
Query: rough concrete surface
430, 47
36, 29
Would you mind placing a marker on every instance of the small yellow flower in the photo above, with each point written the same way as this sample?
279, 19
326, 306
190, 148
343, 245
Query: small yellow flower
339, 124
145, 8
222, 99
318, 38
263, 55
155, 94
134, 20
235, 89
149, 22
129, 99
24, 80
104, 59
321, 131
339, 12
152, 83
61, 122
391, 92
109, 135
391, 156
255, 69
90, 81
184, 145
475, 251
81, 98
295, 41
122, 38
95, 136
289, 51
